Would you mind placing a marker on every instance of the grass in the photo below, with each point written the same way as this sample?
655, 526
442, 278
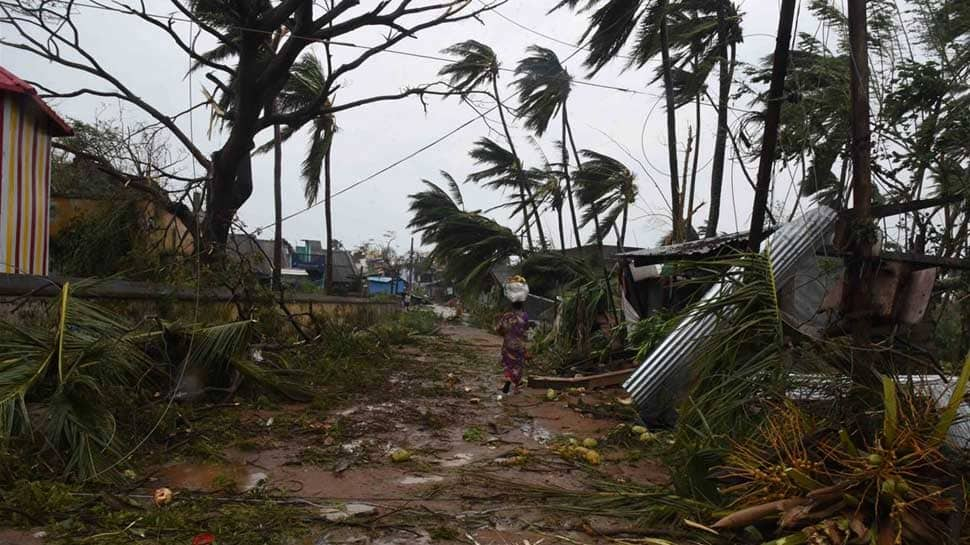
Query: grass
473, 434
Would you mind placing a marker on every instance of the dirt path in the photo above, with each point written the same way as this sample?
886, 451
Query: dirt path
464, 440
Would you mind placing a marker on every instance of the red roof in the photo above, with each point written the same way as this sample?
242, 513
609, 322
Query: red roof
13, 84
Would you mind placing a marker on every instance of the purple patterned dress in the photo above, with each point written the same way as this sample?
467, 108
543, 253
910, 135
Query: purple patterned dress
512, 326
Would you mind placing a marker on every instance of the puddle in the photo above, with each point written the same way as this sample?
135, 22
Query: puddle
458, 460
424, 538
413, 479
253, 480
210, 477
347, 511
535, 432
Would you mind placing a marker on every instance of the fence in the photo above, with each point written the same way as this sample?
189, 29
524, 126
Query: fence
18, 292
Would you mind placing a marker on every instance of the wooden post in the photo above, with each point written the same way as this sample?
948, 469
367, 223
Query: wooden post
860, 239
772, 117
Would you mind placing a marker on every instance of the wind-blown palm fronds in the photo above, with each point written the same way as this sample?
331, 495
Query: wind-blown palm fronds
475, 68
606, 188
87, 351
503, 171
691, 37
431, 207
543, 86
470, 244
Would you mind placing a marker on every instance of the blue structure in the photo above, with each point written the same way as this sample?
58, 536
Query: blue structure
385, 284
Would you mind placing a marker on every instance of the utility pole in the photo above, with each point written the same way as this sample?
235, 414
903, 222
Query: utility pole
411, 267
779, 68
861, 230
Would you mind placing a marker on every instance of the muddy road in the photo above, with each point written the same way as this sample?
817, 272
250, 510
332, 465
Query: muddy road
426, 455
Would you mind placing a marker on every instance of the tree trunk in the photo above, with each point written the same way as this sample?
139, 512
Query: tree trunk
677, 234
683, 212
569, 185
328, 185
725, 70
622, 240
277, 208
524, 188
596, 221
693, 169
525, 217
562, 232
772, 118
328, 219
228, 188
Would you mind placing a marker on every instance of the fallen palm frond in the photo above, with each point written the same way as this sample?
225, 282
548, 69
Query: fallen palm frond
830, 485
741, 361
644, 504
59, 376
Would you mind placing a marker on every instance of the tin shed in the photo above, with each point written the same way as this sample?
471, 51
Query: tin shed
28, 124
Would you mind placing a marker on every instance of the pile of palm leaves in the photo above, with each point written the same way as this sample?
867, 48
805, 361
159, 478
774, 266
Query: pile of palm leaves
817, 482
65, 380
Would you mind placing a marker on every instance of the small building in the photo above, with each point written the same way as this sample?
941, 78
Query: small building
257, 254
311, 256
28, 125
377, 285
81, 192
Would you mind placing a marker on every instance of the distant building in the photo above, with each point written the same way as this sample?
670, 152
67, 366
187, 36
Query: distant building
386, 285
311, 256
27, 124
257, 253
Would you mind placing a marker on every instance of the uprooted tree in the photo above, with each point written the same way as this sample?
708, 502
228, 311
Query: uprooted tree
246, 72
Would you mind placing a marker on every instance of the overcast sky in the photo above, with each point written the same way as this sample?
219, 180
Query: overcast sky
375, 136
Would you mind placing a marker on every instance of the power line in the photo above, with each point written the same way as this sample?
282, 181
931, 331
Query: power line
370, 177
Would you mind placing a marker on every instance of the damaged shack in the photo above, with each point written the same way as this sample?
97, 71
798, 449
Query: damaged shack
809, 279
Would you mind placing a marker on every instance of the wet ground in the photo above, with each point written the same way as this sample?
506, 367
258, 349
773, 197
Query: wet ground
462, 441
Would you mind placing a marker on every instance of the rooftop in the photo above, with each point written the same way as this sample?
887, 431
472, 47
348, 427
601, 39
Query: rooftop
13, 84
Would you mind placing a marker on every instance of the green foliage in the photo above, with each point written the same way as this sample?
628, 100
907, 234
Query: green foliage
649, 332
73, 365
33, 503
606, 188
103, 243
473, 434
742, 360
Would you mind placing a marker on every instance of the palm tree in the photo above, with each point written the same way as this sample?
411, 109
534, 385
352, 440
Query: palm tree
476, 69
431, 207
502, 171
606, 188
549, 180
543, 86
308, 81
663, 27
467, 243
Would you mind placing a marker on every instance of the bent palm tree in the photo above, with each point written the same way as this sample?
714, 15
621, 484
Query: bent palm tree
477, 68
543, 86
606, 188
467, 243
431, 207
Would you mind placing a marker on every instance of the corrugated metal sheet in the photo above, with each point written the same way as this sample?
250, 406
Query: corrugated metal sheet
663, 372
25, 154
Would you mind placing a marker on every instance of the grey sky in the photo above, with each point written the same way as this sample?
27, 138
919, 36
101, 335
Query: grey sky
372, 137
